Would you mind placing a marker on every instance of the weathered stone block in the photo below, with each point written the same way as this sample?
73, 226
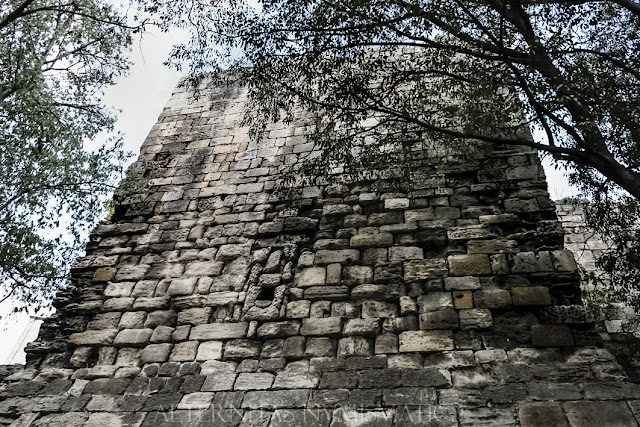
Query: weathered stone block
275, 399
321, 326
242, 348
365, 327
469, 265
209, 350
435, 301
343, 256
219, 331
231, 252
462, 300
439, 319
357, 274
279, 329
219, 382
184, 351
534, 295
461, 283
379, 309
254, 381
541, 414
475, 319
156, 353
420, 270
411, 341
104, 337
355, 346
594, 413
133, 337
372, 240
312, 276
492, 298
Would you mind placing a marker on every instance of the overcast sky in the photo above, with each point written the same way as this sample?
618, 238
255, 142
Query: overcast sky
141, 96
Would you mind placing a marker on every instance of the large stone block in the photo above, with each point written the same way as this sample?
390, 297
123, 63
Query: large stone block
411, 341
219, 331
104, 337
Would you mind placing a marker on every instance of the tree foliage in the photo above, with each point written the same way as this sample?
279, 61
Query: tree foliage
55, 58
381, 78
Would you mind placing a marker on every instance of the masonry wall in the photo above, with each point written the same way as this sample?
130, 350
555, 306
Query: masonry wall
216, 303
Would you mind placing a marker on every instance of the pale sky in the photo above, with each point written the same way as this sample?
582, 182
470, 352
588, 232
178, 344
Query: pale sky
141, 96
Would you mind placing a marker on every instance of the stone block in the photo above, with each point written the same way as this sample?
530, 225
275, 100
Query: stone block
343, 256
121, 289
330, 293
222, 298
372, 308
194, 316
534, 295
231, 252
405, 253
357, 274
410, 396
296, 380
184, 286
434, 301
279, 329
595, 413
133, 337
462, 300
195, 401
475, 319
275, 399
386, 344
421, 270
426, 415
160, 318
364, 327
371, 240
564, 261
461, 283
541, 414
312, 276
355, 346
439, 319
219, 382
298, 309
294, 347
254, 381
492, 298
104, 337
321, 326
242, 348
411, 341
156, 353
219, 331
369, 291
469, 265
184, 351
320, 347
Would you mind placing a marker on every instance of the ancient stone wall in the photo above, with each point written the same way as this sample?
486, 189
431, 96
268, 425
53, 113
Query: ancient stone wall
217, 304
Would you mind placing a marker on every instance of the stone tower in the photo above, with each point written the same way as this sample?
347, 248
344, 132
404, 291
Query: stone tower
215, 304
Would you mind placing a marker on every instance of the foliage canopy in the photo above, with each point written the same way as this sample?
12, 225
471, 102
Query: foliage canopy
55, 58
